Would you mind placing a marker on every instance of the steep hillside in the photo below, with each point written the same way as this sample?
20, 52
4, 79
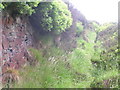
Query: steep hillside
53, 45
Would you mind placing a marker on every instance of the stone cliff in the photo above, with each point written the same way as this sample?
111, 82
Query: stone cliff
16, 39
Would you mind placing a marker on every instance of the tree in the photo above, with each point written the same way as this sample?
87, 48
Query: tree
52, 16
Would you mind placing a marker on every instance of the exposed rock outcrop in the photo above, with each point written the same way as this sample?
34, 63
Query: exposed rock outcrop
16, 39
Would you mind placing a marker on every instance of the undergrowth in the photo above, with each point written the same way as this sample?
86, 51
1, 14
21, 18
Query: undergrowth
84, 67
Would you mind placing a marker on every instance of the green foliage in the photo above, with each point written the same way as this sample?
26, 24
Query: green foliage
97, 52
79, 27
105, 26
53, 16
101, 76
99, 28
92, 36
1, 7
96, 26
58, 75
46, 75
20, 7
37, 54
105, 62
107, 75
87, 66
80, 60
79, 71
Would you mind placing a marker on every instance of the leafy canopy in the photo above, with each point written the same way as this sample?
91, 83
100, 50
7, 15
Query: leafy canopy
24, 8
53, 16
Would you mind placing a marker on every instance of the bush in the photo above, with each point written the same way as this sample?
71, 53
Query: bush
52, 16
24, 8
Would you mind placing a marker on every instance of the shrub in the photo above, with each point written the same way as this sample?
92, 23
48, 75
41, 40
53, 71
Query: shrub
52, 16
24, 8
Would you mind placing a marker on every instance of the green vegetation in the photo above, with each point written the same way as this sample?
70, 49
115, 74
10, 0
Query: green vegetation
1, 6
52, 72
87, 66
79, 27
99, 28
24, 8
49, 16
93, 63
55, 15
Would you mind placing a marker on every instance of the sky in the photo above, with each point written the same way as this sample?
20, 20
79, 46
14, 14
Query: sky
102, 11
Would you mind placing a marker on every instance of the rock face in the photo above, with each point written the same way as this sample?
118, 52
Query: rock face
16, 39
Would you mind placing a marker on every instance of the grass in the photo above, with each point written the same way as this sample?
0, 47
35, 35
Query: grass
60, 70
49, 75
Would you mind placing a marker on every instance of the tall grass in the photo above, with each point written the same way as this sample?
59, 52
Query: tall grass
84, 67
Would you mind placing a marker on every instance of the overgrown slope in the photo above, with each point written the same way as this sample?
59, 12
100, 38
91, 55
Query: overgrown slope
75, 54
